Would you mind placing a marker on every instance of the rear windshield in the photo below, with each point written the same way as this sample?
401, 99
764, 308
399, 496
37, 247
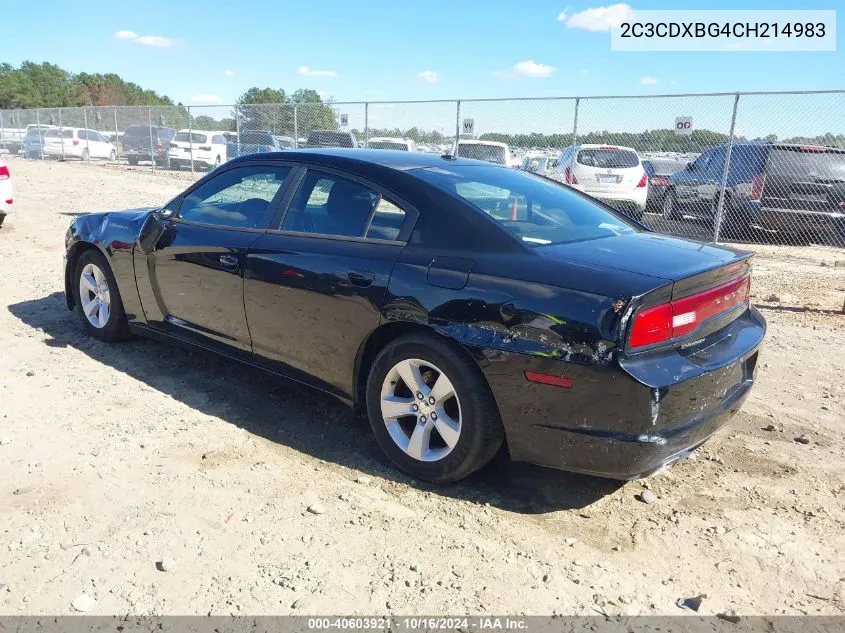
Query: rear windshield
184, 137
137, 130
336, 139
797, 162
253, 138
608, 158
489, 153
536, 210
387, 145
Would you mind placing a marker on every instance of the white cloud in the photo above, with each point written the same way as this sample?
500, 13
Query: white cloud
585, 72
304, 70
530, 68
648, 81
229, 73
563, 15
206, 99
673, 82
429, 75
155, 40
145, 40
600, 18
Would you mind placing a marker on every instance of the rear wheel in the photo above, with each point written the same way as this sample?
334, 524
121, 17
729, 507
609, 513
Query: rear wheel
133, 160
2, 217
431, 409
670, 206
98, 298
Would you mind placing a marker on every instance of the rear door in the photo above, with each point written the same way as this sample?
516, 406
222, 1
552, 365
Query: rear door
710, 180
315, 283
608, 170
805, 178
191, 286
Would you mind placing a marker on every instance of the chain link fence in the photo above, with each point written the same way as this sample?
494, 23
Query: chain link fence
747, 167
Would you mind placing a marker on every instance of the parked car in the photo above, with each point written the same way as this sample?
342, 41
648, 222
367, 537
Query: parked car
789, 188
6, 192
330, 138
543, 164
610, 173
658, 171
205, 149
34, 140
74, 142
489, 151
251, 142
399, 144
147, 143
402, 284
286, 142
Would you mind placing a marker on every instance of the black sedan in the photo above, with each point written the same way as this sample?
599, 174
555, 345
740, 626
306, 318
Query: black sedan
457, 303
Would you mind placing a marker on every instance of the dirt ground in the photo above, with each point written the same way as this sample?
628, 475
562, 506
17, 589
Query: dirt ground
158, 481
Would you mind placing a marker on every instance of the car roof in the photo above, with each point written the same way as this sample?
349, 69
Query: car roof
605, 146
471, 141
350, 158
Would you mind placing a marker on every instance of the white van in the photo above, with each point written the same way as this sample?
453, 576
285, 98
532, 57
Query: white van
613, 174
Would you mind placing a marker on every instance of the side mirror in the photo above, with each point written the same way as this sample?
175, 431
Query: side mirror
151, 232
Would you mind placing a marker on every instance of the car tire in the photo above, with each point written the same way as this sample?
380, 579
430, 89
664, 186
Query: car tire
670, 206
442, 441
2, 217
107, 325
133, 160
84, 157
112, 156
736, 224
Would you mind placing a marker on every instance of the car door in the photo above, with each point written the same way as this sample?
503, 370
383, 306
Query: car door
710, 181
191, 285
97, 146
314, 284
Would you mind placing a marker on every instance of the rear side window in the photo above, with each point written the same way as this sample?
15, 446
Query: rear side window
67, 133
195, 137
536, 210
801, 161
165, 133
608, 158
331, 205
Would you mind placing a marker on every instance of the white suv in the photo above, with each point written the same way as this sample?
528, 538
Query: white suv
206, 148
615, 175
74, 142
386, 142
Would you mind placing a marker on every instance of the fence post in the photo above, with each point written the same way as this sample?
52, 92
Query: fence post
150, 127
117, 141
571, 165
295, 127
87, 141
717, 225
61, 134
457, 127
40, 136
237, 129
2, 134
191, 140
366, 123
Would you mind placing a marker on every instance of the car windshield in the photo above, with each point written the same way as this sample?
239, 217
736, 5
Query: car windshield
387, 145
608, 158
253, 138
536, 210
330, 139
819, 163
489, 153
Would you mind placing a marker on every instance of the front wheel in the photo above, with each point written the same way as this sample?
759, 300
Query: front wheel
98, 298
431, 409
132, 160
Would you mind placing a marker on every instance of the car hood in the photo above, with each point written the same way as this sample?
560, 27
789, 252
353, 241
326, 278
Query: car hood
651, 254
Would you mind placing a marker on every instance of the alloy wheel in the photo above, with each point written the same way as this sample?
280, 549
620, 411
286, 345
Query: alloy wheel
94, 296
421, 410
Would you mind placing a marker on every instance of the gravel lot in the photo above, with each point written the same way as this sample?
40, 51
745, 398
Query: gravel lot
158, 481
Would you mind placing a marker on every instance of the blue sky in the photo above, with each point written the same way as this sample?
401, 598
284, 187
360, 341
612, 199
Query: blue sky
210, 52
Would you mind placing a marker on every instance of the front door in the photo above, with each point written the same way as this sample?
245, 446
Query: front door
195, 274
314, 287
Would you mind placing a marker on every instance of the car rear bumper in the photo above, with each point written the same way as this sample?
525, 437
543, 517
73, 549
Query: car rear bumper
794, 219
631, 418
635, 199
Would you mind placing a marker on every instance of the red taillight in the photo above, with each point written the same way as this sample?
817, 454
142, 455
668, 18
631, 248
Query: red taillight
159, 145
270, 148
4, 173
683, 316
757, 187
569, 178
643, 181
75, 142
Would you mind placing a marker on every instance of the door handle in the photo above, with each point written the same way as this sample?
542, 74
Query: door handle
230, 262
361, 278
